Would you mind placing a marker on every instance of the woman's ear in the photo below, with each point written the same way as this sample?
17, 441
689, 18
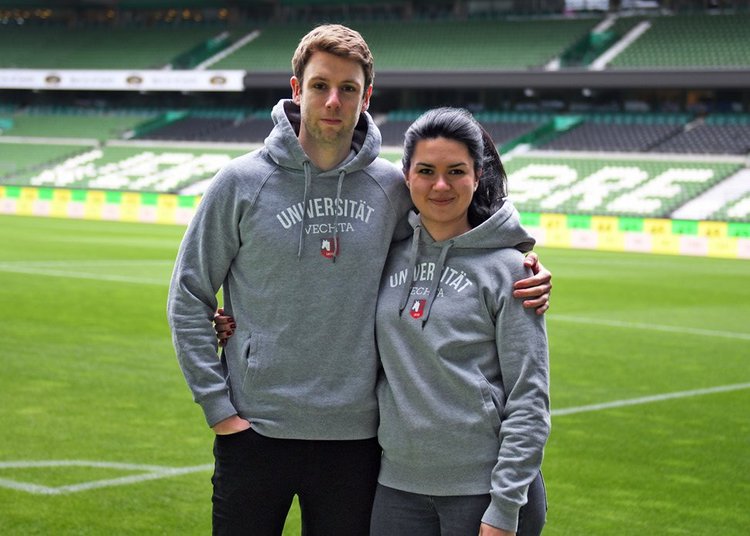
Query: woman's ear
476, 179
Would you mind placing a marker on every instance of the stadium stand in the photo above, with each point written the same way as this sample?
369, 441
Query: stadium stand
690, 41
125, 47
190, 129
248, 130
605, 137
239, 126
68, 122
455, 38
705, 138
717, 134
657, 133
736, 211
483, 44
588, 185
620, 132
130, 168
25, 157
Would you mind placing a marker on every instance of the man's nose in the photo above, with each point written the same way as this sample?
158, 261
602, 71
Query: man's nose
333, 99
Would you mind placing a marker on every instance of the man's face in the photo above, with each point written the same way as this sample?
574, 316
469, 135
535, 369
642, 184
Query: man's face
331, 96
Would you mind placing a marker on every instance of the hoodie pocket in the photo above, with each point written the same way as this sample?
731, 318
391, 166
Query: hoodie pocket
492, 406
253, 363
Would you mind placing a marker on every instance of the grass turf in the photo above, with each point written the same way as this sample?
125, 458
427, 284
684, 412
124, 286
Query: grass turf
89, 375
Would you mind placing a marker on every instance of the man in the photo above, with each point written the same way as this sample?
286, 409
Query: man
296, 235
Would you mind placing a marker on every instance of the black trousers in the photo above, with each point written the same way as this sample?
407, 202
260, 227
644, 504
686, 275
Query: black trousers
256, 477
401, 513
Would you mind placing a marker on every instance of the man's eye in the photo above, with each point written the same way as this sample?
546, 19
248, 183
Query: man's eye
319, 85
349, 89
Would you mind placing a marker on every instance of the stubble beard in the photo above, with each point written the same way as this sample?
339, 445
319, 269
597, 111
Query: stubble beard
331, 137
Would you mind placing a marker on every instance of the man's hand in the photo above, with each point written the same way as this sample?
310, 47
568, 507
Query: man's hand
489, 530
224, 326
535, 289
232, 425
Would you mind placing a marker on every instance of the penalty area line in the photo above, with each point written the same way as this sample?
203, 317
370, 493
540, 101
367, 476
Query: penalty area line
151, 473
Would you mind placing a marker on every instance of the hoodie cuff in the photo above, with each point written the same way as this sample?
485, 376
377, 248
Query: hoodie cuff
502, 518
217, 408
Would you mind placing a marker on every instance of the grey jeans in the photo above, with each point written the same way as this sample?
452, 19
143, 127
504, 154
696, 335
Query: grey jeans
400, 513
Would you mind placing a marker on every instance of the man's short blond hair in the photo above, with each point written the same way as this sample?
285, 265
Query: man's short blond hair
337, 40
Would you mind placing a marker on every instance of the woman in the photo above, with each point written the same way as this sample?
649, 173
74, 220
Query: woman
463, 398
463, 394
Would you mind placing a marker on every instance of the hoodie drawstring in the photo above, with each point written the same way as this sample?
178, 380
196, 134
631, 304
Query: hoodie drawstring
436, 276
412, 262
436, 281
336, 205
308, 179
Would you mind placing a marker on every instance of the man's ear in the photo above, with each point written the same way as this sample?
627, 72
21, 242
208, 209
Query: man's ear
366, 98
296, 89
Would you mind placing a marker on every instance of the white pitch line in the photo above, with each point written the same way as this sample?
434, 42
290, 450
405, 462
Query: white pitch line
80, 463
156, 472
152, 472
25, 486
650, 399
133, 479
90, 263
52, 269
652, 327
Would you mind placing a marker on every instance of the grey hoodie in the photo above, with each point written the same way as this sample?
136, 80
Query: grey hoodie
302, 363
464, 403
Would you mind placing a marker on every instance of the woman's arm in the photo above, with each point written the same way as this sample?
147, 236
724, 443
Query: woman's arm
522, 351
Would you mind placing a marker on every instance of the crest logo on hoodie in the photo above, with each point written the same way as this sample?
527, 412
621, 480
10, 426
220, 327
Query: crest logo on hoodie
417, 308
330, 247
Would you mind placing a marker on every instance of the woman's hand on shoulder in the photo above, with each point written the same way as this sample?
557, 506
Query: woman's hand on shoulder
534, 290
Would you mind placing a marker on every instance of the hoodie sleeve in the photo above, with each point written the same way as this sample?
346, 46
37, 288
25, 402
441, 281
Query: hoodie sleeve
210, 244
525, 422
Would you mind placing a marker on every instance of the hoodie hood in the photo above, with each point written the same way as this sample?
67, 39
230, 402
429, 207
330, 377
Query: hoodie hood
284, 148
502, 230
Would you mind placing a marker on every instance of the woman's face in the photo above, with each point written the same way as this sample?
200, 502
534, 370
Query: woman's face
442, 181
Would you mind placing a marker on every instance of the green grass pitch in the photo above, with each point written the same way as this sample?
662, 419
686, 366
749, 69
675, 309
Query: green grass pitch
100, 435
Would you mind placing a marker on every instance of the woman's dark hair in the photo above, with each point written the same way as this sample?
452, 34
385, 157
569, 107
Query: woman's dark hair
459, 125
